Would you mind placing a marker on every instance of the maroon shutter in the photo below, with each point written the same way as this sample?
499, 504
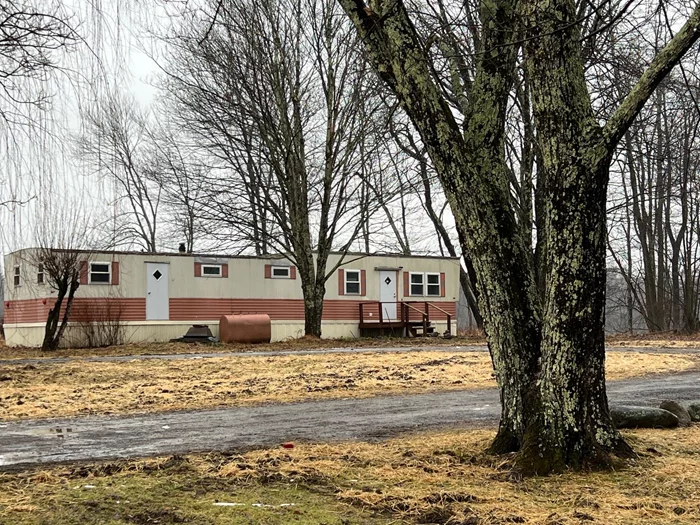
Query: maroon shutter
363, 282
442, 284
224, 270
406, 286
197, 269
293, 272
341, 282
115, 273
268, 271
83, 272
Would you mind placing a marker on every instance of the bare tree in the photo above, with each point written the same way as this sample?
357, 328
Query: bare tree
62, 237
31, 35
651, 214
182, 175
547, 347
273, 90
117, 143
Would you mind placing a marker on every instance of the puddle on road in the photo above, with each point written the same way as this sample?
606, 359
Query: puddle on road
58, 432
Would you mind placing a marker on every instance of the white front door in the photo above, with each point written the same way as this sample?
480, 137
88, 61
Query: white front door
387, 293
157, 295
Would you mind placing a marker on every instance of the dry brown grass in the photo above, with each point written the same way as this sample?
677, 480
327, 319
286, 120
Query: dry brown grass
446, 475
473, 338
657, 339
302, 343
139, 385
436, 477
656, 343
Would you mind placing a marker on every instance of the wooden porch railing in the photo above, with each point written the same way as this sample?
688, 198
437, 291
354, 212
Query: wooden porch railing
424, 315
405, 307
449, 317
404, 314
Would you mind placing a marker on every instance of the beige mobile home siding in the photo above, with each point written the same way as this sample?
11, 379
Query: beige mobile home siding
244, 288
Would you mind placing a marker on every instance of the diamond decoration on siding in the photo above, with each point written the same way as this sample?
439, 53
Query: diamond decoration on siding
157, 275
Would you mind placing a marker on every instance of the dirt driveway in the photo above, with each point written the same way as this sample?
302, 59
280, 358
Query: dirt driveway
121, 387
94, 438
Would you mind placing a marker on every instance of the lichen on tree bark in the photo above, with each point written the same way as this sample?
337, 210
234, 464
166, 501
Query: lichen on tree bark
548, 355
472, 169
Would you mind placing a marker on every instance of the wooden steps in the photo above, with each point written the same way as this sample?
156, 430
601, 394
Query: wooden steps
406, 326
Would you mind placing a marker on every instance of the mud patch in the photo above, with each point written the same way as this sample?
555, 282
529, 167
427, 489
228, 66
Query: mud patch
164, 516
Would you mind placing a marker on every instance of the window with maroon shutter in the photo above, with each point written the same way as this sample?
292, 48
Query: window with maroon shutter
211, 270
83, 272
353, 286
417, 284
341, 282
281, 272
432, 285
100, 273
115, 273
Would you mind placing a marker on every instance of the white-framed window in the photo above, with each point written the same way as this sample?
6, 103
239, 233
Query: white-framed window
416, 283
100, 273
211, 270
352, 282
40, 274
281, 272
16, 276
432, 284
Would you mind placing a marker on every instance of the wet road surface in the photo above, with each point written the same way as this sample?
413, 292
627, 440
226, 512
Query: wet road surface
95, 438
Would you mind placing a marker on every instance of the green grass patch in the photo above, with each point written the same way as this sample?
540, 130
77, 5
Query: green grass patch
439, 477
165, 492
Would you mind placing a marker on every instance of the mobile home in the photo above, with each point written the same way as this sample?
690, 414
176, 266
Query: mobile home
157, 297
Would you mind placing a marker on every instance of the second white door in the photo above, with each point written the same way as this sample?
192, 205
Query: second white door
387, 293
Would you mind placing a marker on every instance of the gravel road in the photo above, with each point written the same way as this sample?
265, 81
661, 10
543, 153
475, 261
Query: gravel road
96, 438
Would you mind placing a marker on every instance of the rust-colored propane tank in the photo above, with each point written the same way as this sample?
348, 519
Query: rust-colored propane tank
248, 328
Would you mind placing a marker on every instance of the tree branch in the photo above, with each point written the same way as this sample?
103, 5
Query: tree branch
213, 22
660, 66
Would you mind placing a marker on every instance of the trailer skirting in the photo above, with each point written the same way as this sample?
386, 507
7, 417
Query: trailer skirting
32, 334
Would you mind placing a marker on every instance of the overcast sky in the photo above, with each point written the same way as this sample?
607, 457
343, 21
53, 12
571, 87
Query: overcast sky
38, 168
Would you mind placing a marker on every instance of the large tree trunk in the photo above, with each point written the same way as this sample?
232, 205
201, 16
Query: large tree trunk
313, 310
474, 175
311, 273
550, 374
572, 424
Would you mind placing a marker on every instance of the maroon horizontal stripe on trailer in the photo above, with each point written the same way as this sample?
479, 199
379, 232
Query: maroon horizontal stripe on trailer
199, 308
84, 309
